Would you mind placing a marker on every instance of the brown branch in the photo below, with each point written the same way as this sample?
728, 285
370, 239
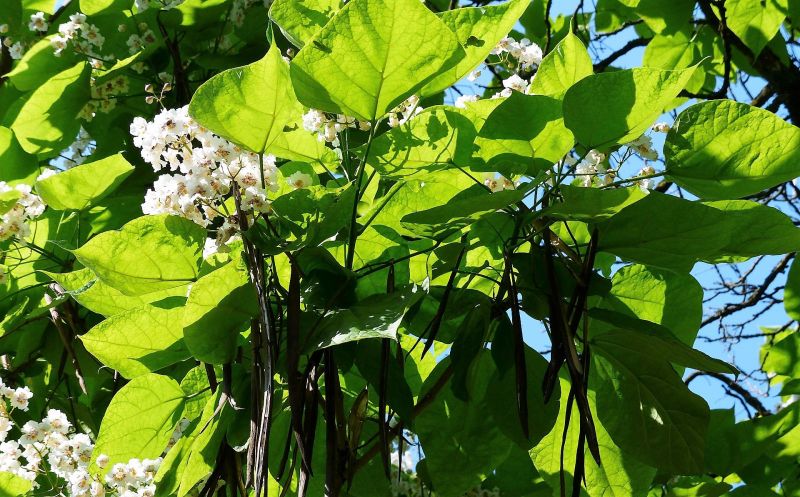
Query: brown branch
635, 43
754, 297
743, 392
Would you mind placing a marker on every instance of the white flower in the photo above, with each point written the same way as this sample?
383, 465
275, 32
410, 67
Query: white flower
59, 43
5, 427
516, 83
16, 51
530, 55
38, 22
661, 127
462, 101
299, 180
19, 399
3, 29
474, 75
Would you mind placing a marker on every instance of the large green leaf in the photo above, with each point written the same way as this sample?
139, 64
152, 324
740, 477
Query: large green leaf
673, 233
99, 7
220, 304
456, 434
441, 221
647, 409
300, 20
82, 186
148, 254
248, 105
378, 316
593, 204
369, 57
140, 419
39, 64
565, 65
671, 299
83, 286
478, 30
726, 149
139, 341
658, 342
436, 138
616, 107
18, 165
755, 22
46, 119
782, 356
13, 486
524, 134
620, 474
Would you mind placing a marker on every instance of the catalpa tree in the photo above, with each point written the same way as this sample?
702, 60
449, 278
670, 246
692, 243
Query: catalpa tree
398, 248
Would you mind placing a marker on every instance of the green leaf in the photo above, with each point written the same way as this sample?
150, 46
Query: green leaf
100, 7
724, 149
593, 204
755, 22
755, 229
80, 187
456, 434
655, 342
673, 233
782, 357
731, 446
139, 341
377, 316
616, 107
501, 394
437, 138
670, 51
18, 165
47, 118
300, 20
140, 419
671, 299
439, 222
13, 486
369, 58
8, 200
647, 409
248, 105
791, 292
565, 65
148, 254
478, 29
93, 294
620, 474
219, 306
524, 134
39, 64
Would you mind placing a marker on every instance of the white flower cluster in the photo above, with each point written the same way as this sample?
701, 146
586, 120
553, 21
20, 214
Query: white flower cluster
14, 223
89, 40
328, 126
498, 183
526, 53
104, 96
405, 111
589, 168
51, 447
643, 147
139, 41
462, 100
207, 167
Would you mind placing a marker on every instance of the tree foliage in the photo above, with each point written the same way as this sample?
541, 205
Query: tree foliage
310, 247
